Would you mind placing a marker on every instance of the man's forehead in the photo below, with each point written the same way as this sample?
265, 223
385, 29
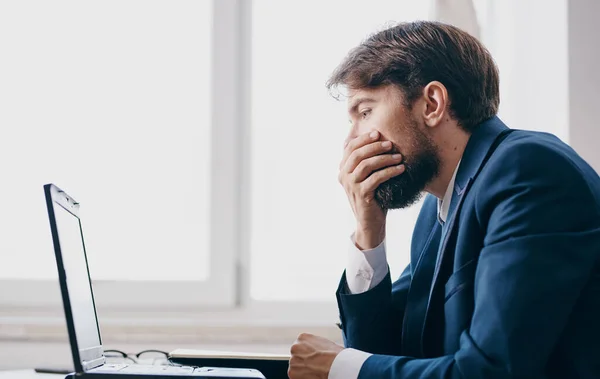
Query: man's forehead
361, 95
375, 93
354, 93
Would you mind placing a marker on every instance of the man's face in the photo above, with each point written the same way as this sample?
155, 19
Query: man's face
383, 109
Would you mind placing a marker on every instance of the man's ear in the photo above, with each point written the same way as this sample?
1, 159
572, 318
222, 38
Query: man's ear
436, 100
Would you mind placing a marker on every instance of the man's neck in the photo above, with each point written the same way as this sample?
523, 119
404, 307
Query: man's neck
450, 155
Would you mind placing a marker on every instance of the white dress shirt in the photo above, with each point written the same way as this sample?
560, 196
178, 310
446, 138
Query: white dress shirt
365, 270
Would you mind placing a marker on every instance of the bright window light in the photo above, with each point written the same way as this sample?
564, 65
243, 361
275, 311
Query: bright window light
301, 220
110, 101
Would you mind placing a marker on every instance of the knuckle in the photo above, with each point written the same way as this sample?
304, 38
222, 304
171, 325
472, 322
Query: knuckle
380, 177
380, 160
294, 373
353, 159
362, 167
295, 349
350, 146
295, 361
302, 336
389, 172
375, 148
369, 165
357, 174
362, 192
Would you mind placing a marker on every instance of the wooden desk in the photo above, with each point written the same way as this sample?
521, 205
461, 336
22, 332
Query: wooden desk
28, 374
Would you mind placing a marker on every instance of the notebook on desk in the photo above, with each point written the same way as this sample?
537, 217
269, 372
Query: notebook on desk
273, 366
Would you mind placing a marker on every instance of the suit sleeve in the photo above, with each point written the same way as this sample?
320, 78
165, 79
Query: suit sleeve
372, 321
542, 238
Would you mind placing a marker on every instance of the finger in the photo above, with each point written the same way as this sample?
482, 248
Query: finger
305, 336
372, 164
358, 142
365, 152
296, 361
299, 372
297, 348
375, 179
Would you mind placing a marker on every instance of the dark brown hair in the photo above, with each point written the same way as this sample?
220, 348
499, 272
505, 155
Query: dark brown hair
411, 55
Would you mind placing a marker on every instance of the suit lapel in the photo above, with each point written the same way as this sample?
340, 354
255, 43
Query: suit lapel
448, 229
416, 303
480, 145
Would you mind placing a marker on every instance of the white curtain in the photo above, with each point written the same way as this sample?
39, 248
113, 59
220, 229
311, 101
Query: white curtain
460, 13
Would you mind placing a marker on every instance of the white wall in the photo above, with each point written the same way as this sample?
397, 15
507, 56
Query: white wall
547, 52
528, 39
584, 78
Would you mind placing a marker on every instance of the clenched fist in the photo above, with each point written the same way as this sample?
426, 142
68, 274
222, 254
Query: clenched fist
312, 357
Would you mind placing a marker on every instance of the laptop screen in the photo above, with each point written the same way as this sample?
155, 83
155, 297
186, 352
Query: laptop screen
74, 278
78, 281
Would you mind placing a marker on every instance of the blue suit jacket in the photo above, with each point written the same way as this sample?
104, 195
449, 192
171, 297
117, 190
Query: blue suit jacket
508, 287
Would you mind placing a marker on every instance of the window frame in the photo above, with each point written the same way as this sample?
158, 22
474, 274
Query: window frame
228, 287
221, 288
157, 310
227, 290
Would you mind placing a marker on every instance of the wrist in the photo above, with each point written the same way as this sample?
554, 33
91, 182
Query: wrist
369, 238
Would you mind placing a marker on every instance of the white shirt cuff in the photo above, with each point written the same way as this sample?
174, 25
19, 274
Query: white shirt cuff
347, 364
365, 269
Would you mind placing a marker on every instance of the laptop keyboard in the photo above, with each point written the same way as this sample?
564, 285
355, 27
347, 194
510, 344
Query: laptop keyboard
145, 369
157, 371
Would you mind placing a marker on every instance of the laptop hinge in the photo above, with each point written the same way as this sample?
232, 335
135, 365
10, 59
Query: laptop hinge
88, 365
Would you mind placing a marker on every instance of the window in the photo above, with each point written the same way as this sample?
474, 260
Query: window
300, 218
532, 53
111, 102
200, 139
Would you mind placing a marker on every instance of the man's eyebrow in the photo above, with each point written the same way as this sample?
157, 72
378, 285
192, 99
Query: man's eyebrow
357, 102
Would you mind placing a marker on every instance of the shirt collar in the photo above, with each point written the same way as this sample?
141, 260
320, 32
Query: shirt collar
444, 203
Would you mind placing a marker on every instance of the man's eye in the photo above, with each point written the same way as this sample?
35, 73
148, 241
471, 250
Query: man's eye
365, 113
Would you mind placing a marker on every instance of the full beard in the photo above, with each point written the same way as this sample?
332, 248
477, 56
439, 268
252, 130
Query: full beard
406, 189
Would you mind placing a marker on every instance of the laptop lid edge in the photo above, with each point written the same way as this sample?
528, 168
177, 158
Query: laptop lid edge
83, 359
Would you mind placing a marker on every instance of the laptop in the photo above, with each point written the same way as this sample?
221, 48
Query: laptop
80, 309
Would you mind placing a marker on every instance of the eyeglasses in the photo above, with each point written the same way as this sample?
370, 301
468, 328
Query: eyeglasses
147, 357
